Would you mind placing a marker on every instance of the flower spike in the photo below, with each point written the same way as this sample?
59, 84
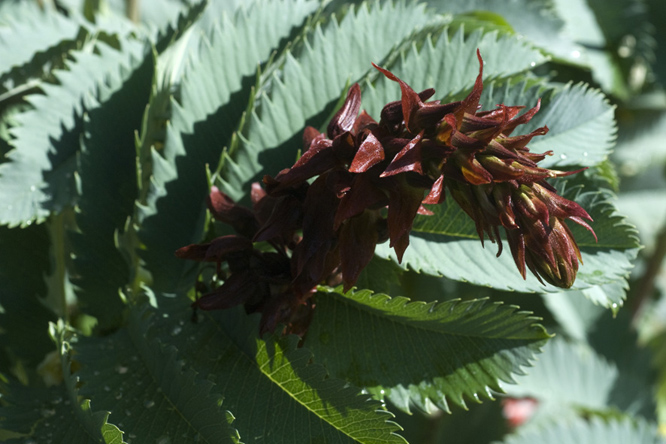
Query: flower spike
363, 182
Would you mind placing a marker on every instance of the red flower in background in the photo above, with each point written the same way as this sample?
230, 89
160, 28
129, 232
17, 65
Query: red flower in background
371, 179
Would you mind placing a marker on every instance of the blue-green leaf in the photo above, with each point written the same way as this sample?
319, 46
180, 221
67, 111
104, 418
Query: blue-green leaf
39, 174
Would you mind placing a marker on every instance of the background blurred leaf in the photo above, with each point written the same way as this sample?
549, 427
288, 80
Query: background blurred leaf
536, 20
594, 431
571, 378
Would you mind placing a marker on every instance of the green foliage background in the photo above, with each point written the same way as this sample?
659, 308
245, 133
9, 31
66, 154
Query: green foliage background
113, 131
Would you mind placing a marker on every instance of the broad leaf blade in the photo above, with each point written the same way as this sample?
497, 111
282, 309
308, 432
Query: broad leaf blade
145, 386
275, 390
107, 172
437, 352
39, 175
31, 32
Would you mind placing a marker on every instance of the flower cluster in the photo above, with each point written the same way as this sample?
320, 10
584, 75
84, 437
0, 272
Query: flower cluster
363, 182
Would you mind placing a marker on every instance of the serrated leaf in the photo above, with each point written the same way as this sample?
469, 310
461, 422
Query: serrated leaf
310, 81
272, 386
144, 385
43, 414
611, 295
447, 244
55, 414
591, 432
32, 31
568, 374
108, 185
580, 121
171, 25
212, 99
536, 20
449, 64
646, 209
444, 352
574, 377
39, 174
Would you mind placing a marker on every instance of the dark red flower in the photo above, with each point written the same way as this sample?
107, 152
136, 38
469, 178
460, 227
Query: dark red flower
364, 182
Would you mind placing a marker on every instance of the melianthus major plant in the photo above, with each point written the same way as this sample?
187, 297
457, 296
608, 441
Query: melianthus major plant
125, 142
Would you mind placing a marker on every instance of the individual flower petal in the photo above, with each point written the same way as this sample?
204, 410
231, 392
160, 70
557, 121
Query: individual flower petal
319, 208
369, 154
343, 120
224, 209
408, 159
437, 193
471, 103
404, 203
363, 194
513, 124
410, 102
286, 218
317, 160
358, 237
